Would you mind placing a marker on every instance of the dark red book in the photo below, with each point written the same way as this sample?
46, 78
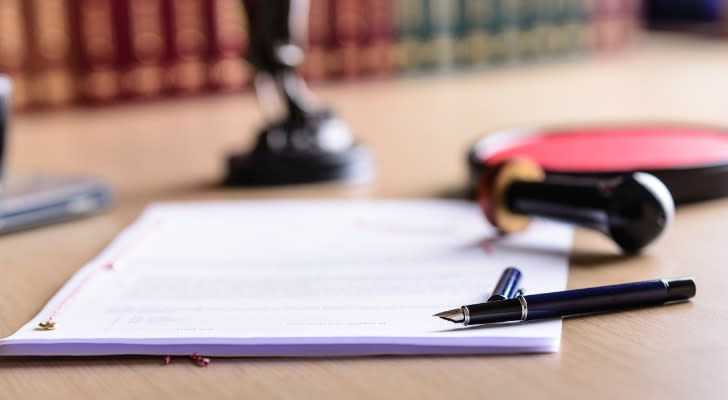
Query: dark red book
376, 48
227, 42
141, 46
92, 28
13, 49
185, 31
317, 57
615, 23
49, 62
350, 22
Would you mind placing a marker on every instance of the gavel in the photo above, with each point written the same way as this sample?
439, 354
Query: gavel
633, 209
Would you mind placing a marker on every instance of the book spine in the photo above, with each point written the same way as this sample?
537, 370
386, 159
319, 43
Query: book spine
545, 24
462, 30
472, 46
633, 19
556, 32
426, 50
443, 19
528, 43
503, 28
96, 62
50, 74
375, 53
580, 26
348, 24
614, 23
141, 44
228, 42
460, 26
583, 11
185, 70
410, 21
600, 24
315, 63
13, 49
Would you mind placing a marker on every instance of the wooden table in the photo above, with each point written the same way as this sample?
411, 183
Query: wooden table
420, 129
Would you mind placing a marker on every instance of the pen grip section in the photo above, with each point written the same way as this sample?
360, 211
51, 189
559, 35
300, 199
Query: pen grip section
494, 311
595, 300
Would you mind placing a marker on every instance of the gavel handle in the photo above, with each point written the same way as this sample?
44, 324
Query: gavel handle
577, 201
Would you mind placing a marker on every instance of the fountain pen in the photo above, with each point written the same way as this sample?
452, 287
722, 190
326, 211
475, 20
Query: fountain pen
574, 302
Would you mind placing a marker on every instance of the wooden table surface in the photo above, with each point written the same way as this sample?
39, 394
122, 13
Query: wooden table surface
420, 129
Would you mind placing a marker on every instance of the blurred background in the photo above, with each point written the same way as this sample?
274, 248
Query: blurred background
101, 52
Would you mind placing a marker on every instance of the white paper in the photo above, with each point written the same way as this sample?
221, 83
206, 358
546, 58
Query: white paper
299, 278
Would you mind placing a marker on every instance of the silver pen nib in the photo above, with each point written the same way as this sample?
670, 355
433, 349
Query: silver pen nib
455, 315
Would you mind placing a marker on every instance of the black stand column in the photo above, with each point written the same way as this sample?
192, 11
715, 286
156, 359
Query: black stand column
308, 143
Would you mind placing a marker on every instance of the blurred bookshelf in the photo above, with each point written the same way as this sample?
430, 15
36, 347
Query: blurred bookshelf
103, 52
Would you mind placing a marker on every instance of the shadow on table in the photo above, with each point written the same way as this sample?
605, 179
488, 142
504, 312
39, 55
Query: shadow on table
16, 363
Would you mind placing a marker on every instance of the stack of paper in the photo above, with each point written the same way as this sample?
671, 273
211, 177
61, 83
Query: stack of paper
298, 278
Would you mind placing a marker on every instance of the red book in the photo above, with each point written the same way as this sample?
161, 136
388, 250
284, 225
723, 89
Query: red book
49, 68
227, 42
316, 60
141, 46
350, 24
615, 23
13, 49
376, 52
632, 18
97, 57
186, 38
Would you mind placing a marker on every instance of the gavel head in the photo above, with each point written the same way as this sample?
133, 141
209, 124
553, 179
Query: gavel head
639, 210
632, 209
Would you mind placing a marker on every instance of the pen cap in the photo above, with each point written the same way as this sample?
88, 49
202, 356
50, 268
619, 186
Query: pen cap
5, 90
679, 288
507, 285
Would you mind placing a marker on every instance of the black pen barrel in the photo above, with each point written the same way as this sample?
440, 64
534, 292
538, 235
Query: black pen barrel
608, 298
581, 301
493, 311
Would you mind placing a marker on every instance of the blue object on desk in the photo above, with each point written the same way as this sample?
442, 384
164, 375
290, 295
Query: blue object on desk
33, 200
507, 285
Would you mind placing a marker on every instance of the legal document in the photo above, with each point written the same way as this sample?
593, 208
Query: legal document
299, 278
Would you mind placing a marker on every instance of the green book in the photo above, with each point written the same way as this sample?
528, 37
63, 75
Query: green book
440, 41
410, 20
503, 29
546, 23
557, 33
578, 26
473, 45
527, 41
